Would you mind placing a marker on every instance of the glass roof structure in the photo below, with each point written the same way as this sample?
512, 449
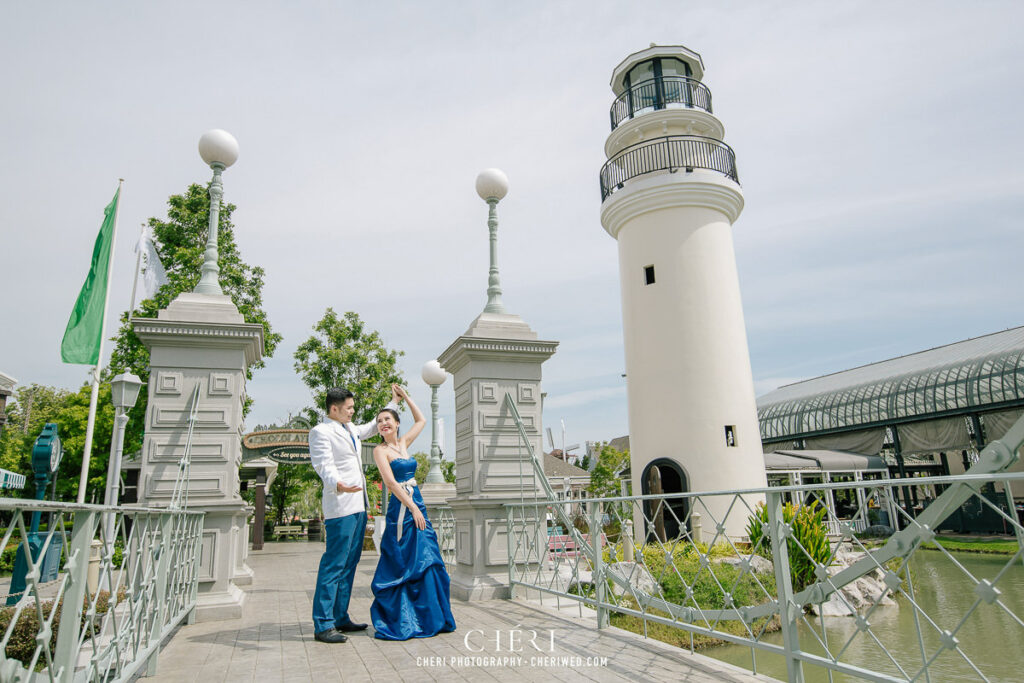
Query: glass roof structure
970, 376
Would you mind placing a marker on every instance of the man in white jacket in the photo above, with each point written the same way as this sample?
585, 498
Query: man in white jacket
334, 448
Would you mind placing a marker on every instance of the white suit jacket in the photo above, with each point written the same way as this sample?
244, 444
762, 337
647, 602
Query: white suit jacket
334, 450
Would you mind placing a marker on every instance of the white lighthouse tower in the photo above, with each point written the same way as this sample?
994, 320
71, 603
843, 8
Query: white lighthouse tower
670, 194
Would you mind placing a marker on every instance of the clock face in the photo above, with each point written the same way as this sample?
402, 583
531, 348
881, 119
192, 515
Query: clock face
56, 451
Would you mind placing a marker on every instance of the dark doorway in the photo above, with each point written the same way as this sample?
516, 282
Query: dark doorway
674, 511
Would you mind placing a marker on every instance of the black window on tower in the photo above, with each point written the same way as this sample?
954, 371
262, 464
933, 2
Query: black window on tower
648, 275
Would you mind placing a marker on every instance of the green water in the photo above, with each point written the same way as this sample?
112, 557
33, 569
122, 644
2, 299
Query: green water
991, 638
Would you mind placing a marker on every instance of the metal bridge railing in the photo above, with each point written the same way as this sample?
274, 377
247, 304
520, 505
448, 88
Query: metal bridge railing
646, 562
105, 587
98, 620
444, 525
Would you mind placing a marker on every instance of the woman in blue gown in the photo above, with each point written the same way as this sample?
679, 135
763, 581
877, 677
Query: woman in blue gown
411, 584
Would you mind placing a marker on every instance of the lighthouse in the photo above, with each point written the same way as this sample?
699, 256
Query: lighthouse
670, 194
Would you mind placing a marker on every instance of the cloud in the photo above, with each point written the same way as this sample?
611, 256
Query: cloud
586, 397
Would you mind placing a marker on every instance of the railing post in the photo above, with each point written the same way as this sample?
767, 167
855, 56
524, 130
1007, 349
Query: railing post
779, 533
597, 574
77, 568
511, 557
166, 547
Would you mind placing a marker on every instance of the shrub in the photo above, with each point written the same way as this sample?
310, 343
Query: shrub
807, 522
22, 645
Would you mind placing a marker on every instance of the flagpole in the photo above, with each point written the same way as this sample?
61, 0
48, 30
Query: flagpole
138, 264
90, 425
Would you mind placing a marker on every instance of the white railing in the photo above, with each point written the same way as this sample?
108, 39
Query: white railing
444, 525
103, 615
776, 586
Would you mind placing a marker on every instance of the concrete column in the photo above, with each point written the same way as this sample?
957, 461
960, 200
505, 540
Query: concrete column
498, 354
201, 339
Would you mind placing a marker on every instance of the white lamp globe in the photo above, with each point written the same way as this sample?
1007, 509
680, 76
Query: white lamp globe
492, 183
218, 147
433, 374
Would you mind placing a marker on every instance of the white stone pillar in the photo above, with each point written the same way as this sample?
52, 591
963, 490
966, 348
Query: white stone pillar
498, 354
201, 339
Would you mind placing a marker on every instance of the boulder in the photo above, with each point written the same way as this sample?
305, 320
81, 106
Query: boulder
637, 575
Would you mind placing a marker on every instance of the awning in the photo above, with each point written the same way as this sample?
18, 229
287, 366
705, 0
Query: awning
778, 461
836, 461
11, 480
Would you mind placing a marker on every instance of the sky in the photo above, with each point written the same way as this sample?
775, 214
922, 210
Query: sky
878, 146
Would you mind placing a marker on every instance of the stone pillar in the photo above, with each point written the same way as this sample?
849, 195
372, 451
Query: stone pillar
201, 339
498, 354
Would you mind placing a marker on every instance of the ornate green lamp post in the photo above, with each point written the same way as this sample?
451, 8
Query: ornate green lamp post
492, 186
219, 150
434, 375
46, 456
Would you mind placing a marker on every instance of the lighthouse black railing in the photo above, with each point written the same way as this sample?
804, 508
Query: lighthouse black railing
670, 154
660, 93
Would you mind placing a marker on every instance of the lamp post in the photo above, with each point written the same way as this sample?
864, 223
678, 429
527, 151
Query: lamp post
124, 392
219, 150
434, 375
492, 186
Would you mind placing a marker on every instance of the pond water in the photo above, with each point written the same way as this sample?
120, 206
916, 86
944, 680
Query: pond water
992, 639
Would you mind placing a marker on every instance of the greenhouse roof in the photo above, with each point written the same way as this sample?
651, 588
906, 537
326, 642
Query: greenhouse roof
969, 376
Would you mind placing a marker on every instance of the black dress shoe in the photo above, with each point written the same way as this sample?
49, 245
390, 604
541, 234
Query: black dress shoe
331, 635
349, 627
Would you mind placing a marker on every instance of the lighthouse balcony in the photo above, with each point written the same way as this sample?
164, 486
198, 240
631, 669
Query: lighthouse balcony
666, 92
672, 154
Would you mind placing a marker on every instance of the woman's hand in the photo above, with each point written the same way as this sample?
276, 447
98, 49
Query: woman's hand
399, 392
421, 521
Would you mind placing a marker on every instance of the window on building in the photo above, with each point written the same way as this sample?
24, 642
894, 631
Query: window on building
648, 275
730, 435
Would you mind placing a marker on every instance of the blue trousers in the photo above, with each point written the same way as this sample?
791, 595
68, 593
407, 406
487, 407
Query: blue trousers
337, 570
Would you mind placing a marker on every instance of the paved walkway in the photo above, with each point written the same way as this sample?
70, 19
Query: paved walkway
273, 641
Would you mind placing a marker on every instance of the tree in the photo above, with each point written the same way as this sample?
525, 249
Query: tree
448, 470
342, 352
604, 480
36, 405
181, 241
287, 488
28, 410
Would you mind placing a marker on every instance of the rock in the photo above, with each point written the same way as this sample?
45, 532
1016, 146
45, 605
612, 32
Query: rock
860, 594
637, 575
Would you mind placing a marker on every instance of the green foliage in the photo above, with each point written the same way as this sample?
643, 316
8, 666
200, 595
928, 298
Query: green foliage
28, 410
36, 405
22, 644
287, 487
342, 352
448, 470
422, 467
808, 532
604, 480
181, 241
7, 558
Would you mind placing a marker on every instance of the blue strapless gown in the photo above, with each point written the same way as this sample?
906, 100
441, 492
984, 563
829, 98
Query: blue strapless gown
411, 584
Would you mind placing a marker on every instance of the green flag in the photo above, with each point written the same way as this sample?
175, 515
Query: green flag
85, 328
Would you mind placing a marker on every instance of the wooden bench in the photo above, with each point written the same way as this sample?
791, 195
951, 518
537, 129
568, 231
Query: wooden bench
560, 546
288, 531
